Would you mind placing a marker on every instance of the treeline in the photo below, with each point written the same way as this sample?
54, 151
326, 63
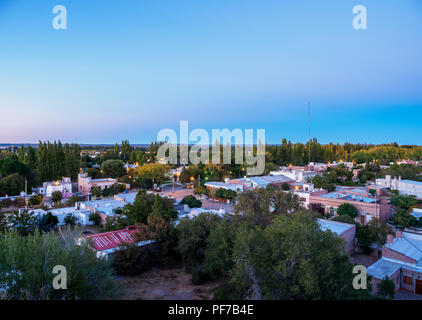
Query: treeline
300, 154
48, 162
126, 153
52, 161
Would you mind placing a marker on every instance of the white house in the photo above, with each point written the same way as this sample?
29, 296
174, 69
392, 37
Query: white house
64, 186
296, 175
82, 216
409, 187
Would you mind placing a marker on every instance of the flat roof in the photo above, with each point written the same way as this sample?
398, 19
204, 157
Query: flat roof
337, 227
128, 197
417, 213
412, 182
231, 186
348, 196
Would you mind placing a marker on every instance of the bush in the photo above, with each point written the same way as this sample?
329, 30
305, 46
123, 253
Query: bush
47, 222
285, 186
94, 217
364, 238
56, 196
70, 219
35, 200
347, 209
345, 219
404, 201
199, 275
191, 201
404, 219
226, 292
132, 260
386, 288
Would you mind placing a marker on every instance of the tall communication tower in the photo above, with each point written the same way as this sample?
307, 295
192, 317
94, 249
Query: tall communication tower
309, 131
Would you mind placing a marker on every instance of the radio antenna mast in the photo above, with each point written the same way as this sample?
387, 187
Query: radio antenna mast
309, 131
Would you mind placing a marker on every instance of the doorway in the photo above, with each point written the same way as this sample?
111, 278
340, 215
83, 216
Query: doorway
418, 286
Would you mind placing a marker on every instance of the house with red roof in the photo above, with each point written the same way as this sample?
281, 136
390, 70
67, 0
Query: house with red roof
108, 242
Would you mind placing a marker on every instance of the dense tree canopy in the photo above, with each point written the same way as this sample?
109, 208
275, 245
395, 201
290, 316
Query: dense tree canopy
347, 209
26, 268
146, 205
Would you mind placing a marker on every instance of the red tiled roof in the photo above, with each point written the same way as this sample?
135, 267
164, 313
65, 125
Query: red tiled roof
112, 239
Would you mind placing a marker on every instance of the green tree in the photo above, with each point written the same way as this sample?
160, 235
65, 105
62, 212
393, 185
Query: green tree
113, 168
219, 250
35, 200
47, 222
364, 238
56, 196
347, 209
70, 219
404, 201
96, 191
94, 217
155, 171
386, 288
379, 231
146, 205
191, 201
291, 259
404, 219
193, 236
24, 222
258, 207
26, 268
12, 184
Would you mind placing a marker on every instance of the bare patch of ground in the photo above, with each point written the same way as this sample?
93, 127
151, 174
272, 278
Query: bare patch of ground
362, 259
165, 284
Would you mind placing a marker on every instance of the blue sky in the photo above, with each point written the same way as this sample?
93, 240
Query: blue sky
126, 69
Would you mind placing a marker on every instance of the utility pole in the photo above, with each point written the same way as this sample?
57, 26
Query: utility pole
172, 189
309, 131
26, 194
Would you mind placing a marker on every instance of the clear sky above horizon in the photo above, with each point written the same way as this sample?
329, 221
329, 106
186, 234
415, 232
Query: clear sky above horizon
126, 69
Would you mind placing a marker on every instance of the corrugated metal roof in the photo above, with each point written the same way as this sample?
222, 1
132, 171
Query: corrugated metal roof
112, 239
409, 245
382, 268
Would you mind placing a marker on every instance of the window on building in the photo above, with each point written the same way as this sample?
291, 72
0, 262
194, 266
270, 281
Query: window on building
408, 280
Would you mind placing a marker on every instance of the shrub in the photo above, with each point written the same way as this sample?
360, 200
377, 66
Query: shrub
404, 219
35, 200
94, 217
386, 288
132, 260
56, 196
191, 201
347, 209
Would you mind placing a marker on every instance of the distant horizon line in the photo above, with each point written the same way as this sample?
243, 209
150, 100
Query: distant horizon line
26, 144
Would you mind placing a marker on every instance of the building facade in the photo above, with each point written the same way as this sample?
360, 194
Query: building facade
401, 262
